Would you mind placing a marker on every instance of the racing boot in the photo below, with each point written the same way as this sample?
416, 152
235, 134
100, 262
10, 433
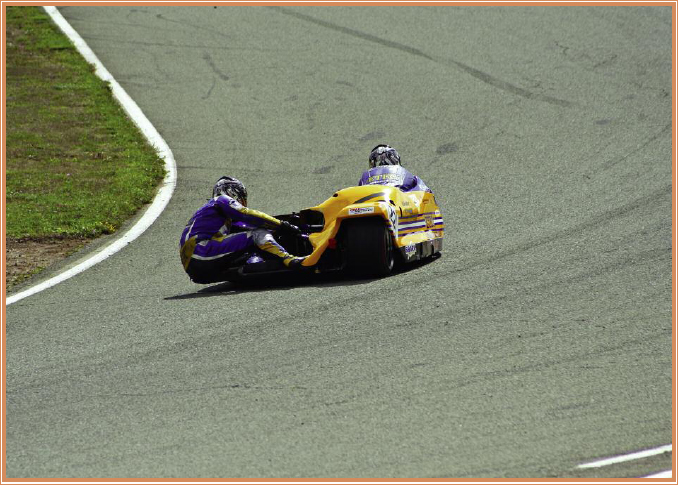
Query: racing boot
265, 241
294, 262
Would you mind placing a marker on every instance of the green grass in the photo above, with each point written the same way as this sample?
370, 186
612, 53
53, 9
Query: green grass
77, 167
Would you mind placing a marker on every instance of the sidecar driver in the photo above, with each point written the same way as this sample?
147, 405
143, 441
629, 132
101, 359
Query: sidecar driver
385, 169
210, 241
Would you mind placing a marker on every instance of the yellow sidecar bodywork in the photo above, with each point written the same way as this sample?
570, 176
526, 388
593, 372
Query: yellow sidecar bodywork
413, 218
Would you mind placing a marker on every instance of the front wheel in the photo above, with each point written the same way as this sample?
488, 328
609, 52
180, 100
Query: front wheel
369, 247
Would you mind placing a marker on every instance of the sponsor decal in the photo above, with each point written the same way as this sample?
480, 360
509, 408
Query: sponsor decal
386, 179
410, 250
360, 210
431, 221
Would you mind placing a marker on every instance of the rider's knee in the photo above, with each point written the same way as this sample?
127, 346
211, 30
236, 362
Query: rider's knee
262, 236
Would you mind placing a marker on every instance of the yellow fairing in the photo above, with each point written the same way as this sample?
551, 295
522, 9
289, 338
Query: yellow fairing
412, 217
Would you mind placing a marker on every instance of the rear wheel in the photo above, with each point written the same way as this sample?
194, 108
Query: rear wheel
369, 247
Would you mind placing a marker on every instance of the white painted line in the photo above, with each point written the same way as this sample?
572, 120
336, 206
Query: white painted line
164, 194
631, 456
666, 474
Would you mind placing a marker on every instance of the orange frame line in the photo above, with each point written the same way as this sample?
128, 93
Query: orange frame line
675, 212
3, 460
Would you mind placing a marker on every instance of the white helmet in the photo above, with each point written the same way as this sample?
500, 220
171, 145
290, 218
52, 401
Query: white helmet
384, 155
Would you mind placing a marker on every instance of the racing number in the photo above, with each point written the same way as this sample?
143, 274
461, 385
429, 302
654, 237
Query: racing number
393, 217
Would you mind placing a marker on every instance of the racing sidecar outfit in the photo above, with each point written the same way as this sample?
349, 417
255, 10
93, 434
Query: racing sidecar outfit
393, 175
210, 241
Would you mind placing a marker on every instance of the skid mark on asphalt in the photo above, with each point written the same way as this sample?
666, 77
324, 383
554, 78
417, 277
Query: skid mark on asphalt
476, 73
221, 75
659, 256
214, 67
197, 28
665, 131
355, 33
592, 223
601, 352
508, 87
209, 91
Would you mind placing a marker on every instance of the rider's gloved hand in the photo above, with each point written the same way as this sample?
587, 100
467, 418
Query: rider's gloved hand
288, 228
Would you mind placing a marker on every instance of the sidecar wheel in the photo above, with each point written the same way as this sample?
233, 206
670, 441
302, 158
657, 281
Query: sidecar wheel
369, 248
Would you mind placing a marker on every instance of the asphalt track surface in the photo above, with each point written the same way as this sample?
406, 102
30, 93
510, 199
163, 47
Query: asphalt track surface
540, 340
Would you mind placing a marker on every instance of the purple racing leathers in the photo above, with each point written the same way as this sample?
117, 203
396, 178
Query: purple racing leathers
393, 175
209, 242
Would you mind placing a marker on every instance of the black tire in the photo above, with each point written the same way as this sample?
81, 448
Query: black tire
369, 247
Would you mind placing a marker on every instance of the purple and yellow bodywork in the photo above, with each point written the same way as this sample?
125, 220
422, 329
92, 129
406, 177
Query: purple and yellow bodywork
413, 219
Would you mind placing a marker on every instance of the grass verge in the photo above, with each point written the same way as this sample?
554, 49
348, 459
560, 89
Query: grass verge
76, 165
